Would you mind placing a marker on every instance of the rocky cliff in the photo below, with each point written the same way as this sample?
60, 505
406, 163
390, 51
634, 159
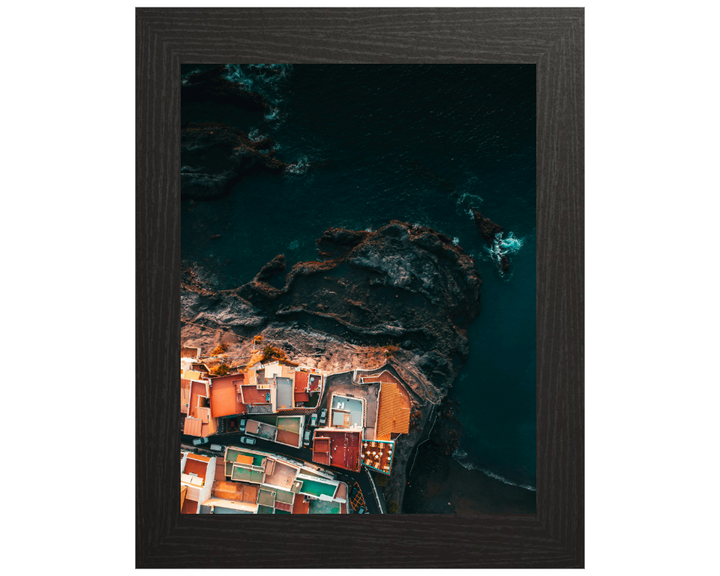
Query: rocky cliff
401, 296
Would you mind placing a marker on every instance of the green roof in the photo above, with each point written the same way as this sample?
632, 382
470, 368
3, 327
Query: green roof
233, 454
286, 497
264, 510
266, 497
246, 475
289, 423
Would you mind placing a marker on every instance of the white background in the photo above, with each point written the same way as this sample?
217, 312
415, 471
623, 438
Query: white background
652, 285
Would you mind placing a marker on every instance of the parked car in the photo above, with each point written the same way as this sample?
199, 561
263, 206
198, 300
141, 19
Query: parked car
217, 448
243, 422
200, 441
361, 510
323, 414
313, 420
308, 434
247, 440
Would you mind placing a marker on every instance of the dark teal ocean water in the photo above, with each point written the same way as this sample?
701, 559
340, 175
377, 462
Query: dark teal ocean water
416, 143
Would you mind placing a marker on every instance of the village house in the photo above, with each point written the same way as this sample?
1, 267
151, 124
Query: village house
256, 482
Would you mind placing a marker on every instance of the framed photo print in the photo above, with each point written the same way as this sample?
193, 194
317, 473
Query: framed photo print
360, 263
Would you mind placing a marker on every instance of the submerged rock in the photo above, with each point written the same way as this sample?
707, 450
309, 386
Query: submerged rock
216, 156
488, 230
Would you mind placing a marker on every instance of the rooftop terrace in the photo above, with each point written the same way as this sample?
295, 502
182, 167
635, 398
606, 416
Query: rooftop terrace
225, 400
343, 448
283, 475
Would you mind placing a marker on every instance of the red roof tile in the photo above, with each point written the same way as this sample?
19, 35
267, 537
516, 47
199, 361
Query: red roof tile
193, 427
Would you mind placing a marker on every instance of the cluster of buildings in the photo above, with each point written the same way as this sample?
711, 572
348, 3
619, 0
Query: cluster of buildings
247, 481
365, 419
360, 421
211, 404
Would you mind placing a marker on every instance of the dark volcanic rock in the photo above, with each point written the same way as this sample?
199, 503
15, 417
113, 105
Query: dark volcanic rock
488, 230
211, 86
401, 297
336, 242
486, 227
216, 156
447, 430
402, 285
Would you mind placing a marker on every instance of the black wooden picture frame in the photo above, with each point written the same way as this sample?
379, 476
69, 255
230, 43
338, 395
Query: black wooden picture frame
550, 38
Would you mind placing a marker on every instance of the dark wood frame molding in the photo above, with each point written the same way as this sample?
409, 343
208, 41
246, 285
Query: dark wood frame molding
553, 39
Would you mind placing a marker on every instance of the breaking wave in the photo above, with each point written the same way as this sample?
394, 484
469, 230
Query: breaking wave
255, 135
466, 203
504, 246
459, 455
300, 167
266, 79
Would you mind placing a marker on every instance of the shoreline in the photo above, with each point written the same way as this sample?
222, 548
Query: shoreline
439, 484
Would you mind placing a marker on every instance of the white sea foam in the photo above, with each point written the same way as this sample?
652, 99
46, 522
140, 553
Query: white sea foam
503, 247
294, 245
459, 455
300, 167
255, 135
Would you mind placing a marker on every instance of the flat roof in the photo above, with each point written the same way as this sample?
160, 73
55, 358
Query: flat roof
301, 381
236, 491
289, 423
224, 397
287, 437
251, 395
378, 455
354, 406
300, 505
244, 474
283, 476
198, 389
284, 393
344, 448
196, 467
315, 381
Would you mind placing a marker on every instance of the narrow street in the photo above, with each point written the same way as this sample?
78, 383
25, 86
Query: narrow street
304, 454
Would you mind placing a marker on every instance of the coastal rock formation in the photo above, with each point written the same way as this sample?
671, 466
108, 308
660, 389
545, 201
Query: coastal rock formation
210, 85
215, 156
401, 296
488, 230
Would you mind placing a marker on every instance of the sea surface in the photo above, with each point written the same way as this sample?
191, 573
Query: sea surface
422, 144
